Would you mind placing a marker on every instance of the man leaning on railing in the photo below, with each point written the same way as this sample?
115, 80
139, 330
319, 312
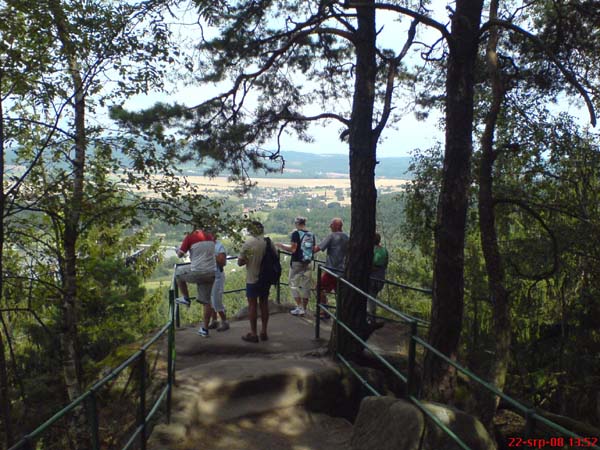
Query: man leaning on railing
336, 245
201, 270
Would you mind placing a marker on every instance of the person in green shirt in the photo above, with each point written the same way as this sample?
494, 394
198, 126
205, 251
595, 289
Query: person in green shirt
378, 269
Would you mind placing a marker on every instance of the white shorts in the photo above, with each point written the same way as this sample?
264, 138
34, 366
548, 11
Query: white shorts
216, 295
204, 281
300, 279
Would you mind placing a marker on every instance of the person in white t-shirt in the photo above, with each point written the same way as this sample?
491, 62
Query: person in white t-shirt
201, 270
216, 295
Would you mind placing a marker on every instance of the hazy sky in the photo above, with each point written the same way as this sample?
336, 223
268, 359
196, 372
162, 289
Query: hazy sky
409, 134
398, 139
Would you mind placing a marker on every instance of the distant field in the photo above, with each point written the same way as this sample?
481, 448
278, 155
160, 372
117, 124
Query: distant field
324, 187
338, 183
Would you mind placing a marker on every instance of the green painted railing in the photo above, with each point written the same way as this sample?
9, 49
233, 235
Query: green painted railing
412, 383
231, 291
88, 400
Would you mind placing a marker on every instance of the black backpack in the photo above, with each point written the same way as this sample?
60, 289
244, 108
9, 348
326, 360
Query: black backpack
270, 267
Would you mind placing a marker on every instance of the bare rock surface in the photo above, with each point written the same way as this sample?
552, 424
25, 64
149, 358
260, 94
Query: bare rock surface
231, 394
387, 423
282, 394
281, 429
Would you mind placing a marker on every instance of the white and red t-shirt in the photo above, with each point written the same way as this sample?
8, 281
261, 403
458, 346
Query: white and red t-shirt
201, 246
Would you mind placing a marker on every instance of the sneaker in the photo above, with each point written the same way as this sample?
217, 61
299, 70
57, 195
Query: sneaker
214, 325
203, 332
224, 326
297, 311
183, 301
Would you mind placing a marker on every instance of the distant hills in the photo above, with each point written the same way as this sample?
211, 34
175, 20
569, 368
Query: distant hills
313, 165
301, 165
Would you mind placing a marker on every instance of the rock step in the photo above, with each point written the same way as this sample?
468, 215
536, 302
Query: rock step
229, 393
230, 388
282, 429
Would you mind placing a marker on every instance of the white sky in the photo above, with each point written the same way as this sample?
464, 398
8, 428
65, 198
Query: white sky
398, 139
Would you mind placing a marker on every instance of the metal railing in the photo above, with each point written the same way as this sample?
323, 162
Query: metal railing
89, 399
175, 289
410, 379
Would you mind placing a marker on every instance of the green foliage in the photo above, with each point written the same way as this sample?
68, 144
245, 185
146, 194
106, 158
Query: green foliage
421, 199
281, 220
547, 192
114, 306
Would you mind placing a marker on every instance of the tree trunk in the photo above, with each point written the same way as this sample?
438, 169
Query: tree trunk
5, 397
4, 384
448, 272
363, 144
496, 375
69, 335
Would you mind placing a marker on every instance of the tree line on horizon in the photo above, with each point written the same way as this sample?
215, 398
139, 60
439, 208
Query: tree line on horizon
501, 214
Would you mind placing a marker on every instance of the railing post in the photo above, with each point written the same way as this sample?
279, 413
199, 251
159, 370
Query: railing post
337, 313
278, 298
529, 422
317, 305
412, 347
175, 295
142, 408
93, 420
171, 351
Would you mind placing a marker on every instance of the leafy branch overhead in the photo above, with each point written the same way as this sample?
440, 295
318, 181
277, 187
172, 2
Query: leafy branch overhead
280, 66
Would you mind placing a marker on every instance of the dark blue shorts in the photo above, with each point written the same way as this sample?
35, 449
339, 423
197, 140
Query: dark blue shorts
255, 290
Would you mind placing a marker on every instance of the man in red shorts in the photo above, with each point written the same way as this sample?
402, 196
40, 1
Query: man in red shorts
336, 245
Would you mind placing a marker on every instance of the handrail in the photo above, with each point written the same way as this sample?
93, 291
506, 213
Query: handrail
175, 290
530, 414
406, 317
90, 393
166, 393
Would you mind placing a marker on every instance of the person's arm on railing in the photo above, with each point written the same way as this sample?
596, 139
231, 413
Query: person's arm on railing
287, 247
221, 259
243, 256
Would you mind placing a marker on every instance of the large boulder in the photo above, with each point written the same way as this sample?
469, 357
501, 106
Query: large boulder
389, 423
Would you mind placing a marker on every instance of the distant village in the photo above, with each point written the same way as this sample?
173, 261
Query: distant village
270, 193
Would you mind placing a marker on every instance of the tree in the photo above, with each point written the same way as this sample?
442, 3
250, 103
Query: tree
461, 80
53, 80
448, 272
281, 43
503, 79
499, 295
20, 71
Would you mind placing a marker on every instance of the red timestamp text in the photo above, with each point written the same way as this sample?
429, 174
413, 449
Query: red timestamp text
556, 442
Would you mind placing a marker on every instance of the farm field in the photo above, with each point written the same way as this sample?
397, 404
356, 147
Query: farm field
337, 183
274, 188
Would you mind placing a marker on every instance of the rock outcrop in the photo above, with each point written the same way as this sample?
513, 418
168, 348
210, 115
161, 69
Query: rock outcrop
387, 423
